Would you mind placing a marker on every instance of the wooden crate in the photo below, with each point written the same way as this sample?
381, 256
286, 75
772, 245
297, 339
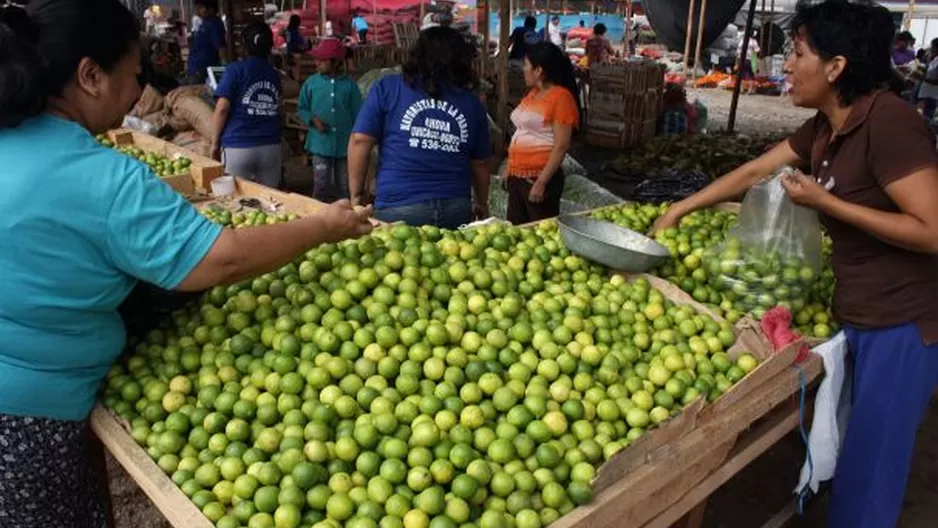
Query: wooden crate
202, 170
405, 35
659, 478
627, 92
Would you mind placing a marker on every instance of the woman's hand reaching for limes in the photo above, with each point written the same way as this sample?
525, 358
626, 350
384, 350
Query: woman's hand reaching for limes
671, 218
343, 221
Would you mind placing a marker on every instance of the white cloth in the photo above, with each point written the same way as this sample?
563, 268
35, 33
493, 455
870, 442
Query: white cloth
831, 410
329, 28
554, 34
930, 91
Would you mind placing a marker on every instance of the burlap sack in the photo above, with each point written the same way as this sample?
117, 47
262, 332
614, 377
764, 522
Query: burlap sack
183, 91
196, 112
150, 101
177, 123
290, 87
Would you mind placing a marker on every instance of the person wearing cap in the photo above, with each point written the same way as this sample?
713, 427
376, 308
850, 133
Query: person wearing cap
329, 103
246, 123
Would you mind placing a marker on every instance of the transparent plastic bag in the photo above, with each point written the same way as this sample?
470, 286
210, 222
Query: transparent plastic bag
771, 257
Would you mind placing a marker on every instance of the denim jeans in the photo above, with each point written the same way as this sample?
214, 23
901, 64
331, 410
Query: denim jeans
448, 213
330, 179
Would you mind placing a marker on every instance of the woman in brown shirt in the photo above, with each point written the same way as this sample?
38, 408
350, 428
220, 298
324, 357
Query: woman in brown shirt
877, 156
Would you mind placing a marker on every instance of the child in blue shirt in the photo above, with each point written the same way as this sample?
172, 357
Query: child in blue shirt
329, 103
247, 122
361, 27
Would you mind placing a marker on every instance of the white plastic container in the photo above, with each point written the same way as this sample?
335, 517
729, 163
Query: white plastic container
223, 186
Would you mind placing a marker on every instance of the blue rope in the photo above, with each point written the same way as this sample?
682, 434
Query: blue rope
805, 492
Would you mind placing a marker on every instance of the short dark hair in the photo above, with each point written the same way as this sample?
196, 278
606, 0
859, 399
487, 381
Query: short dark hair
441, 59
905, 36
41, 47
555, 18
294, 22
599, 29
258, 39
208, 4
530, 22
861, 32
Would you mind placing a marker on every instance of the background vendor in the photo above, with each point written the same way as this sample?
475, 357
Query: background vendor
209, 45
432, 133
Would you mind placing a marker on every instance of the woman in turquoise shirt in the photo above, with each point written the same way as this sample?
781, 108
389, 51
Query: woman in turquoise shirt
82, 224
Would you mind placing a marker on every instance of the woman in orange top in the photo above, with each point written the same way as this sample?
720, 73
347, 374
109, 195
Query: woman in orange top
544, 123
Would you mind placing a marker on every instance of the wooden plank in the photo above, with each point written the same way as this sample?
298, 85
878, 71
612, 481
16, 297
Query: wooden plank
630, 492
751, 445
682, 482
172, 503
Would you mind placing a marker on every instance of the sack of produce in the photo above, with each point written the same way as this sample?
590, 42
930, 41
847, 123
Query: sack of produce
183, 91
771, 257
196, 112
150, 102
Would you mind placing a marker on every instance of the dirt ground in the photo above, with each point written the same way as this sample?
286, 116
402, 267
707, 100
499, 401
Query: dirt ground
760, 490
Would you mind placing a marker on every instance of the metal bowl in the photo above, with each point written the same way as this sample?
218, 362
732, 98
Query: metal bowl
611, 245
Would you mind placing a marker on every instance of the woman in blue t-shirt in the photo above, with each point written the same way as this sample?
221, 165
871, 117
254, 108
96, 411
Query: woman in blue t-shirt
247, 115
82, 225
432, 134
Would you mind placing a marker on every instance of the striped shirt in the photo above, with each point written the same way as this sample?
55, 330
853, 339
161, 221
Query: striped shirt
534, 119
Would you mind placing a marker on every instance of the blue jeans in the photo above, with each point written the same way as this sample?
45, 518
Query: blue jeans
894, 375
448, 213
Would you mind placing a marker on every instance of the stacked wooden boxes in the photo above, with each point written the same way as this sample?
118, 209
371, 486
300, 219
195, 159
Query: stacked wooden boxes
405, 38
623, 102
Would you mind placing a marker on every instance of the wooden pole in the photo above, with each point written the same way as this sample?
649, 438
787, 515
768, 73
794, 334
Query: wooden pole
322, 19
482, 12
768, 42
628, 28
690, 31
734, 104
422, 13
700, 36
907, 20
504, 18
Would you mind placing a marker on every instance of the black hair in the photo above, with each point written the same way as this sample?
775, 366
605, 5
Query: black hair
905, 36
530, 22
599, 29
582, 23
295, 22
557, 68
258, 39
555, 18
41, 47
859, 31
442, 58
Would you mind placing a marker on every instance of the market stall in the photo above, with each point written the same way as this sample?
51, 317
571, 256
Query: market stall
654, 477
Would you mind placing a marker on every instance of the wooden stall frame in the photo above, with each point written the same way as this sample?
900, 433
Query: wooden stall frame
656, 481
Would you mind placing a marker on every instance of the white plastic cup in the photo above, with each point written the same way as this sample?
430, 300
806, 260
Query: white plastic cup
223, 186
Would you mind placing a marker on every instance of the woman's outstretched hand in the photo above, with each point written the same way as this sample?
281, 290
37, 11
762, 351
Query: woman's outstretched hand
345, 222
